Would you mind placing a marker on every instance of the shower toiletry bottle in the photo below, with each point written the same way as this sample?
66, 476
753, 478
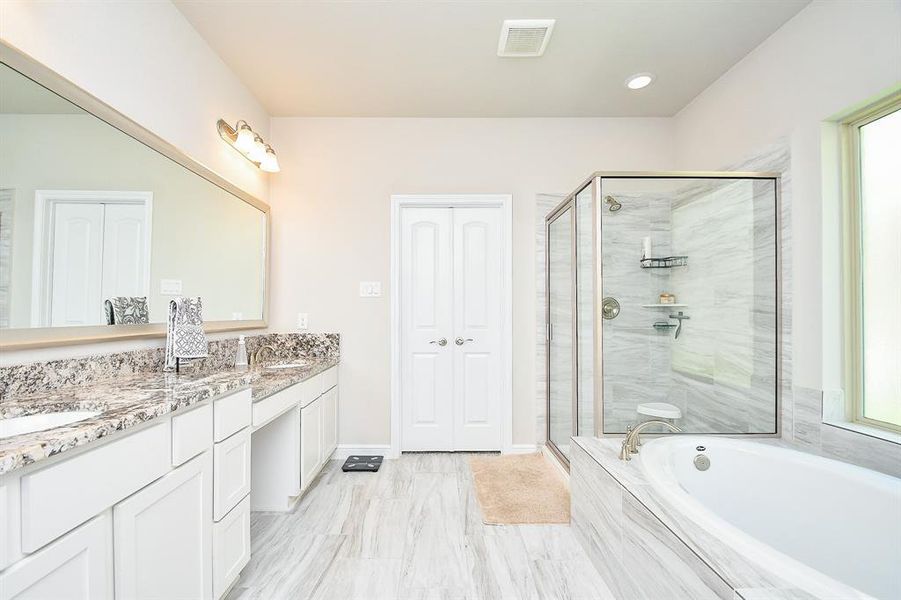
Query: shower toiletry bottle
241, 355
646, 248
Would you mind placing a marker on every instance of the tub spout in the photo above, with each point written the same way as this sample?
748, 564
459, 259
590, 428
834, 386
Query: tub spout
633, 437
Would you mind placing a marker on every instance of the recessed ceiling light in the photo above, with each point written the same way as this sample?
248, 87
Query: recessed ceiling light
639, 80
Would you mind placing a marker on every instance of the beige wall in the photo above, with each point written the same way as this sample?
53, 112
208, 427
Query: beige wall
331, 226
831, 56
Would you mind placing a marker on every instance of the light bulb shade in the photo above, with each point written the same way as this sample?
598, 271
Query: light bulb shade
258, 151
270, 161
245, 141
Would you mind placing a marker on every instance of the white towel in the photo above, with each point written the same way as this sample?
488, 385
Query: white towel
184, 333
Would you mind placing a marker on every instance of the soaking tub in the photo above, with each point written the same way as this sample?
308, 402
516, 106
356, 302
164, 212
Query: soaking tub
829, 528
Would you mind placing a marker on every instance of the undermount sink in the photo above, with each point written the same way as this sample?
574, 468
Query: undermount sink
40, 422
293, 365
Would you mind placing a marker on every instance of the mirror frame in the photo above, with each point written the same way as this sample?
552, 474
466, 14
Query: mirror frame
42, 337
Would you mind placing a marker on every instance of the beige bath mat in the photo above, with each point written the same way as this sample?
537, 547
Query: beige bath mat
517, 489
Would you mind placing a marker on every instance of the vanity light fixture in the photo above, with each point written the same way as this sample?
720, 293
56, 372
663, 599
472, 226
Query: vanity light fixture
639, 80
245, 140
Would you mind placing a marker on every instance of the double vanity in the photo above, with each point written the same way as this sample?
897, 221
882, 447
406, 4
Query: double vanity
150, 495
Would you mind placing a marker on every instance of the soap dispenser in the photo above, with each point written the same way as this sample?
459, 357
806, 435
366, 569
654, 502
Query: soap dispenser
241, 356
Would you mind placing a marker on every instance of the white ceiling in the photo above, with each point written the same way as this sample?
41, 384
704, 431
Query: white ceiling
428, 58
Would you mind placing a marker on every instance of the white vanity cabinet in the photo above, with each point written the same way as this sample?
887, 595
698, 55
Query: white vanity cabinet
318, 426
78, 566
163, 536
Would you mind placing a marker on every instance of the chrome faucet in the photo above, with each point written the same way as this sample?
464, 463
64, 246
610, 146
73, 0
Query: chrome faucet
255, 359
633, 437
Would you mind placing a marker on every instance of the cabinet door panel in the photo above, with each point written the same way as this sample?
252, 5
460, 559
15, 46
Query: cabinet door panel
231, 466
163, 536
78, 566
310, 442
329, 423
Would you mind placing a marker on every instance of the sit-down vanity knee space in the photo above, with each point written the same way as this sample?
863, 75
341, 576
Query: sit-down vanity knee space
152, 497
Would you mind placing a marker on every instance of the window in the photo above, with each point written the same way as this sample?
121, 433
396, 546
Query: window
872, 242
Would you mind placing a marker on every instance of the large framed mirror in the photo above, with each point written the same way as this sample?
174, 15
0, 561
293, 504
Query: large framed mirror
102, 222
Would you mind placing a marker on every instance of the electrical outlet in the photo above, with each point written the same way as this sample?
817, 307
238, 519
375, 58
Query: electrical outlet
236, 316
370, 289
303, 321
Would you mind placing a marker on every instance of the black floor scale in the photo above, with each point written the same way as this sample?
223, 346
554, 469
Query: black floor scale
359, 462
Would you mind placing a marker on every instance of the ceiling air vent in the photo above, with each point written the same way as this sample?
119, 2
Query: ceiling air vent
522, 38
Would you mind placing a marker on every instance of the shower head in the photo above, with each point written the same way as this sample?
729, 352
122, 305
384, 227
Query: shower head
612, 203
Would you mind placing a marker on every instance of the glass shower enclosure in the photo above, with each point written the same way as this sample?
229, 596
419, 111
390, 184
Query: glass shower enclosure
662, 302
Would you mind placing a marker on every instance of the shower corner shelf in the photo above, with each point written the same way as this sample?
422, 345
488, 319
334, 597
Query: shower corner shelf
674, 305
664, 262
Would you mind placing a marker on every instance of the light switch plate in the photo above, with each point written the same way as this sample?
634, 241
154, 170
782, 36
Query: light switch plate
303, 321
170, 287
370, 289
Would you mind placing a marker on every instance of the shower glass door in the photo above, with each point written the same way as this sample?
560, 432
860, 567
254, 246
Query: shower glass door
692, 265
561, 328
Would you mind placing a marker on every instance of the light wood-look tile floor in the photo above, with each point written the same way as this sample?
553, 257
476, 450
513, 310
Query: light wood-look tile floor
412, 531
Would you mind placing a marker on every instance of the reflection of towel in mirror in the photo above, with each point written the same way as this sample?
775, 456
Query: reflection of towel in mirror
184, 332
126, 310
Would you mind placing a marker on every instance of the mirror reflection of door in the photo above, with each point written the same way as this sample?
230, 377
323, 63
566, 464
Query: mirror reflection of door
95, 245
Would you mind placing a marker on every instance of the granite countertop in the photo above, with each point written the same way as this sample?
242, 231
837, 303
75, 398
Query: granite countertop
126, 402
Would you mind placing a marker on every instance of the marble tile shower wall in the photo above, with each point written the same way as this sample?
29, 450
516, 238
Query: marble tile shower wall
636, 356
723, 364
17, 380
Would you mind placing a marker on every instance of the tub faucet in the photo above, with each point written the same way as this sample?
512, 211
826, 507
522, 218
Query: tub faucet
633, 440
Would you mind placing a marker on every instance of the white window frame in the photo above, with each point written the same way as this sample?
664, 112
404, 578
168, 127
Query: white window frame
852, 256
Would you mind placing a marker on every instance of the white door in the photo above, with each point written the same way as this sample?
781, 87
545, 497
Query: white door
477, 318
94, 245
77, 267
124, 254
451, 305
163, 536
427, 328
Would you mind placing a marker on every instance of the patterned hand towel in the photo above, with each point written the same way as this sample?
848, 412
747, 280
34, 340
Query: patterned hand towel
184, 333
126, 310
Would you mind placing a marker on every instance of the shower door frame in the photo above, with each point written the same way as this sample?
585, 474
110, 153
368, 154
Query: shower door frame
595, 180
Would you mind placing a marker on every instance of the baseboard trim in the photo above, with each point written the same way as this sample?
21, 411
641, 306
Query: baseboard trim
521, 449
345, 450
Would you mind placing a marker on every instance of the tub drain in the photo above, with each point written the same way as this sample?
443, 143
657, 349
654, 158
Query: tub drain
702, 463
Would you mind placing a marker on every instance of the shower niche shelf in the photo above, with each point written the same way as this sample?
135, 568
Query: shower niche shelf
664, 262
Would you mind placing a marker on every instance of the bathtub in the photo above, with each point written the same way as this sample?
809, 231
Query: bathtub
826, 527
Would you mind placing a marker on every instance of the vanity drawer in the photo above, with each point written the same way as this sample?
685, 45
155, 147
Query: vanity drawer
59, 497
328, 379
231, 547
192, 433
231, 472
231, 414
267, 409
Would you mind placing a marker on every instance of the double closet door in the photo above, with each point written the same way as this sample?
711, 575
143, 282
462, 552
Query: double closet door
451, 318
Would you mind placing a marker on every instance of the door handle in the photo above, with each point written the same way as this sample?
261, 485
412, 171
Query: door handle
441, 342
460, 341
